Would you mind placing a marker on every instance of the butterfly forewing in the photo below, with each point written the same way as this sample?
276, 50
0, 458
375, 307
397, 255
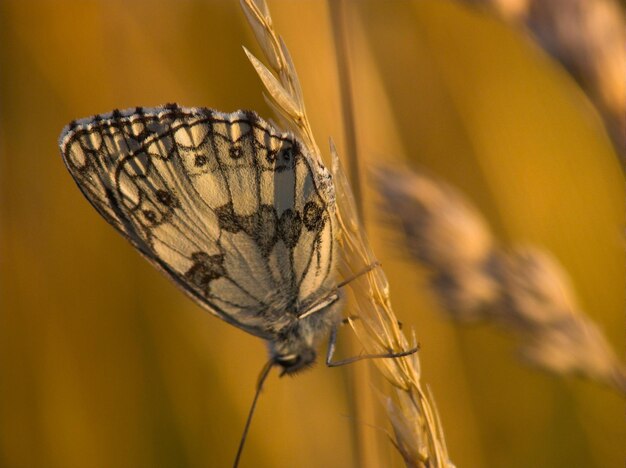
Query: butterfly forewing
235, 212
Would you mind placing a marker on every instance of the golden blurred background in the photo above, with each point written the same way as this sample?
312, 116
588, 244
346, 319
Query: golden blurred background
103, 363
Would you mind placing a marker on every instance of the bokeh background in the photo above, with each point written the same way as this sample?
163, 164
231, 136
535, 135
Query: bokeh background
104, 363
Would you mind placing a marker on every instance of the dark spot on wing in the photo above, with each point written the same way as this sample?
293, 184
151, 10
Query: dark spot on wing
227, 219
313, 216
150, 215
289, 227
205, 268
262, 226
248, 223
200, 160
166, 198
266, 228
283, 159
235, 152
286, 154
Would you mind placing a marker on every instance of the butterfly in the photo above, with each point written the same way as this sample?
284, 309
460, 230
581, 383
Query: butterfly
236, 213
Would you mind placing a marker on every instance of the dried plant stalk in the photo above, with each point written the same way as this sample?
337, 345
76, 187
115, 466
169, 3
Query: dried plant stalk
417, 430
418, 433
538, 304
524, 290
587, 37
449, 236
283, 87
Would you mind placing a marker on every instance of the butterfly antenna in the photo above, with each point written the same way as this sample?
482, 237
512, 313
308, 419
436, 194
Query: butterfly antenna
367, 269
259, 385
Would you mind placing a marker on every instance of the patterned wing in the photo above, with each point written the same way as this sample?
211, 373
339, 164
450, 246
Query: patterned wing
236, 213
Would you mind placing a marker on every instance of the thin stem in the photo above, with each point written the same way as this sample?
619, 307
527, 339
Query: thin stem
338, 16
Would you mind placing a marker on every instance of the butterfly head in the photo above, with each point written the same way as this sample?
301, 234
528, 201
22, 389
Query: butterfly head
293, 349
294, 345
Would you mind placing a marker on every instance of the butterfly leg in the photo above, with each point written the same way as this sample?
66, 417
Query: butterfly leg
332, 341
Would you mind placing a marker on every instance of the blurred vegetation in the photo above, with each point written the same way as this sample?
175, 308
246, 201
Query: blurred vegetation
104, 363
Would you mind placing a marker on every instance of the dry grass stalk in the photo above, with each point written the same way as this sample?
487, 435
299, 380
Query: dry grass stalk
524, 290
587, 37
419, 436
435, 217
283, 86
417, 430
537, 302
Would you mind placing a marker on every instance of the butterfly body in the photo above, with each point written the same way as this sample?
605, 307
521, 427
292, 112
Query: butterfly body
233, 211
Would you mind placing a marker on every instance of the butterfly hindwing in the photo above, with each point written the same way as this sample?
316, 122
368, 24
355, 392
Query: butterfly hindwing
235, 212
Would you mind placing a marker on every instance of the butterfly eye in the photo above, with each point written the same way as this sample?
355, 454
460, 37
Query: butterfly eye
288, 361
292, 363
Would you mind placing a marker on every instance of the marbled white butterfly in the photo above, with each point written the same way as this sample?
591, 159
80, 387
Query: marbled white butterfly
236, 213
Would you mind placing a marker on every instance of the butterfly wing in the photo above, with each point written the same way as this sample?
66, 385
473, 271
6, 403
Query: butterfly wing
236, 213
